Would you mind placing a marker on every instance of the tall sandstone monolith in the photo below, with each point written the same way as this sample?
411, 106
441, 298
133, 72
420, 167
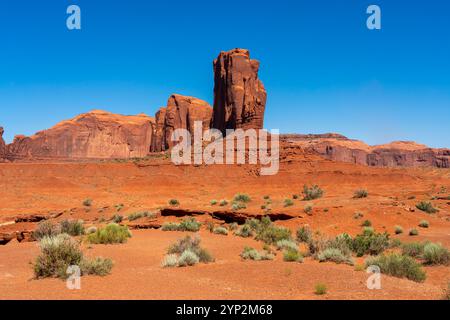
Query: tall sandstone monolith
239, 95
2, 145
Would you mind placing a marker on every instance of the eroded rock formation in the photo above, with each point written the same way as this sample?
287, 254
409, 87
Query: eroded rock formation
97, 134
239, 95
2, 145
158, 139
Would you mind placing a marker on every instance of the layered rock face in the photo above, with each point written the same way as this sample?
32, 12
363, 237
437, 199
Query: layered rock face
181, 113
239, 95
2, 145
97, 134
396, 154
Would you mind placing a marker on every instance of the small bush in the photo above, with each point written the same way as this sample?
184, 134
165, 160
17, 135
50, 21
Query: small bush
413, 249
253, 254
358, 215
395, 243
370, 243
320, 289
190, 244
223, 203
398, 230
46, 229
245, 231
426, 207
334, 255
233, 226
361, 193
266, 197
137, 215
174, 202
288, 203
170, 226
413, 232
292, 255
87, 202
398, 265
210, 226
117, 218
295, 196
366, 223
112, 233
272, 234
220, 230
97, 266
170, 260
189, 224
72, 227
242, 197
435, 253
286, 244
424, 224
213, 202
119, 207
188, 258
312, 193
238, 206
304, 234
308, 209
91, 230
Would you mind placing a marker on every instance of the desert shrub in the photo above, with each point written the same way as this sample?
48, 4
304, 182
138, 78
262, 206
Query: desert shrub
308, 209
223, 203
170, 226
244, 231
220, 230
342, 242
253, 254
413, 249
304, 234
292, 255
334, 255
286, 244
189, 224
312, 193
204, 255
174, 202
271, 234
210, 226
238, 206
320, 289
190, 244
117, 218
263, 207
398, 265
398, 230
368, 230
213, 202
170, 260
266, 197
97, 266
242, 197
91, 229
112, 233
46, 229
395, 243
358, 215
413, 232
366, 223
137, 215
435, 253
119, 207
188, 258
72, 227
87, 202
57, 254
288, 203
426, 207
253, 223
370, 243
424, 224
361, 193
295, 196
233, 226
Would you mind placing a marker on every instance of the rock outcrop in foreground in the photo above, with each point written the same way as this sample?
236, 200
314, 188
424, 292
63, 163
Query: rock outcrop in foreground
97, 134
396, 154
239, 95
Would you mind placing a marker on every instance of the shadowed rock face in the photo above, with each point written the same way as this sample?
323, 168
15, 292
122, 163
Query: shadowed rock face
97, 134
2, 144
396, 154
181, 113
239, 96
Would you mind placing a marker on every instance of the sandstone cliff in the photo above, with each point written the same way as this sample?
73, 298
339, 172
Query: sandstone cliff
2, 145
239, 95
97, 134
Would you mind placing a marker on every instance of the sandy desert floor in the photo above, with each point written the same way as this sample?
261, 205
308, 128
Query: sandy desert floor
52, 187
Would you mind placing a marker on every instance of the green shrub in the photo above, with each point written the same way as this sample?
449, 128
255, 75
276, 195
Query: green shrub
57, 254
170, 260
398, 265
223, 203
266, 197
286, 244
304, 234
426, 207
295, 196
213, 202
46, 229
271, 234
358, 215
435, 253
188, 258
366, 223
361, 193
97, 266
308, 209
193, 245
320, 289
370, 243
91, 229
210, 226
244, 231
413, 249
87, 202
253, 254
242, 197
398, 230
288, 203
263, 207
233, 226
138, 215
413, 232
189, 224
334, 255
424, 224
174, 202
220, 230
312, 193
72, 227
238, 206
170, 226
112, 233
119, 207
117, 218
292, 255
395, 243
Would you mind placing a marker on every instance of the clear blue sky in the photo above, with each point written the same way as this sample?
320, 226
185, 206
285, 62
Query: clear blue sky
323, 69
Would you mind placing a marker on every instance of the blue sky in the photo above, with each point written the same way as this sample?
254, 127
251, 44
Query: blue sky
323, 69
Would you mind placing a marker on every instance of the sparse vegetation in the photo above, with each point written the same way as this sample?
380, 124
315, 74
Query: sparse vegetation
435, 253
119, 207
233, 226
398, 265
188, 258
312, 193
361, 193
304, 234
186, 252
253, 254
223, 203
424, 224
213, 202
370, 243
413, 249
189, 224
238, 206
91, 229
286, 244
295, 196
174, 202
358, 215
270, 233
72, 227
170, 226
220, 230
292, 255
140, 215
334, 255
117, 218
170, 260
98, 266
366, 223
398, 230
242, 197
426, 207
244, 231
320, 289
46, 229
308, 209
288, 203
87, 202
112, 233
413, 232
